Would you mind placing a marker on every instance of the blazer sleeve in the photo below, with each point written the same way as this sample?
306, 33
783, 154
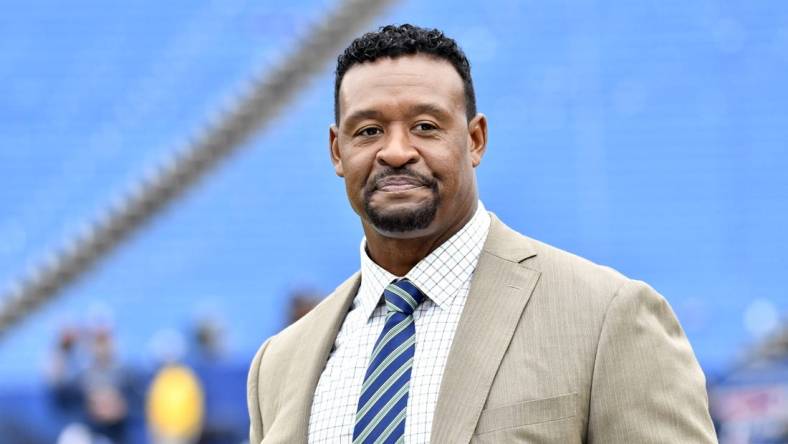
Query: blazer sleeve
647, 386
253, 396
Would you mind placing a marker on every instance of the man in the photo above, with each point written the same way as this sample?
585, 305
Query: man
458, 329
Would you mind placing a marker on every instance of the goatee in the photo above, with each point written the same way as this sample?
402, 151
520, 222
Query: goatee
406, 220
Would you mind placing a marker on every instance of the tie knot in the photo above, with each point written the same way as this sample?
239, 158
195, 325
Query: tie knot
403, 297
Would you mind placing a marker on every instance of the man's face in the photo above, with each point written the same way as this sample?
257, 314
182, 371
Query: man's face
405, 147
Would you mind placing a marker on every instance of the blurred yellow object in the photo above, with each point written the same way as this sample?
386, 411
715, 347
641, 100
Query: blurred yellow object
175, 404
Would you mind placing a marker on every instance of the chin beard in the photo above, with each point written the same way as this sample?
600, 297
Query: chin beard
403, 221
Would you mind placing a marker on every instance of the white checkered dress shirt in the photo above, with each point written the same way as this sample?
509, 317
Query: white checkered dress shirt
445, 277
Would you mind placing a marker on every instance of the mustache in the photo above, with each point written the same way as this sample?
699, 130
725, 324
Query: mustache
422, 179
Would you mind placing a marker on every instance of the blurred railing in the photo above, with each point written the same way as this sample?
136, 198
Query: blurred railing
265, 99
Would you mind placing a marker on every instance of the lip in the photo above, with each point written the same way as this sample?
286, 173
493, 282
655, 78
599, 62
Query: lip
394, 184
398, 188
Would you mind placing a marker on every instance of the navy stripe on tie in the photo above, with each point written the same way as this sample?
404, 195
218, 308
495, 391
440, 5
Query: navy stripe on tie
384, 375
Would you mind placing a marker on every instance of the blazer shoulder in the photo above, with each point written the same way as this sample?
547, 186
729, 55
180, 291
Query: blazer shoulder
562, 274
595, 290
563, 265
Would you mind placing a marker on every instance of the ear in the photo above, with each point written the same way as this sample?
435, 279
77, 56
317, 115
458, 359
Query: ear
477, 138
333, 147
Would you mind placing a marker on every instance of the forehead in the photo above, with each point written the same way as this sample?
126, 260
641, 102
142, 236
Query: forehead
401, 81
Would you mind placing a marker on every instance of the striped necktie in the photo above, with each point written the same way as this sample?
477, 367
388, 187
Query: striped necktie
380, 417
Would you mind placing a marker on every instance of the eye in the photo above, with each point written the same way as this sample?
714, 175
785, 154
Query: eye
425, 127
369, 131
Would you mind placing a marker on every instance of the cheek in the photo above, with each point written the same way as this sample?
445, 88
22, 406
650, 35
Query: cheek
451, 166
457, 179
357, 171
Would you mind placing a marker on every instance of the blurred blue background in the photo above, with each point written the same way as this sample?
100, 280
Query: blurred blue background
648, 136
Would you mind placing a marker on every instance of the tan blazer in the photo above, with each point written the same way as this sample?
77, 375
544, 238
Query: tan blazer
550, 348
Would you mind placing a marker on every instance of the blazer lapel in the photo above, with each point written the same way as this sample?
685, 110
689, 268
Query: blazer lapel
499, 292
310, 358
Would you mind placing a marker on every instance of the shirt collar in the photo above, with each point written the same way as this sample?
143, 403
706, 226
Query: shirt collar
440, 275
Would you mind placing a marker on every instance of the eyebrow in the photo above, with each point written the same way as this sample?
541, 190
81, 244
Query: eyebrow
422, 108
363, 114
429, 108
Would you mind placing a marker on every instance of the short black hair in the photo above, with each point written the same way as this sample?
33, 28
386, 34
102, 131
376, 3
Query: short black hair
394, 41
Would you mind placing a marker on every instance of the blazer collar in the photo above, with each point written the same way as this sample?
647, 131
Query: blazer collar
506, 243
499, 293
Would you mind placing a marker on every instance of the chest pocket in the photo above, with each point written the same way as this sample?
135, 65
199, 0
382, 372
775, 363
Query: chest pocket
528, 412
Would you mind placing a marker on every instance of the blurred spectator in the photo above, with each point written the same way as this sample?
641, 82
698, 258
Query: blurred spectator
63, 375
107, 386
208, 361
175, 405
209, 340
90, 390
301, 302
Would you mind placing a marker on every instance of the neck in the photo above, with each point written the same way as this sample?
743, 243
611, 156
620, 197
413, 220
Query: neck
398, 255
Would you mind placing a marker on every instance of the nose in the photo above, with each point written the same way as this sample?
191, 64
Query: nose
397, 150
